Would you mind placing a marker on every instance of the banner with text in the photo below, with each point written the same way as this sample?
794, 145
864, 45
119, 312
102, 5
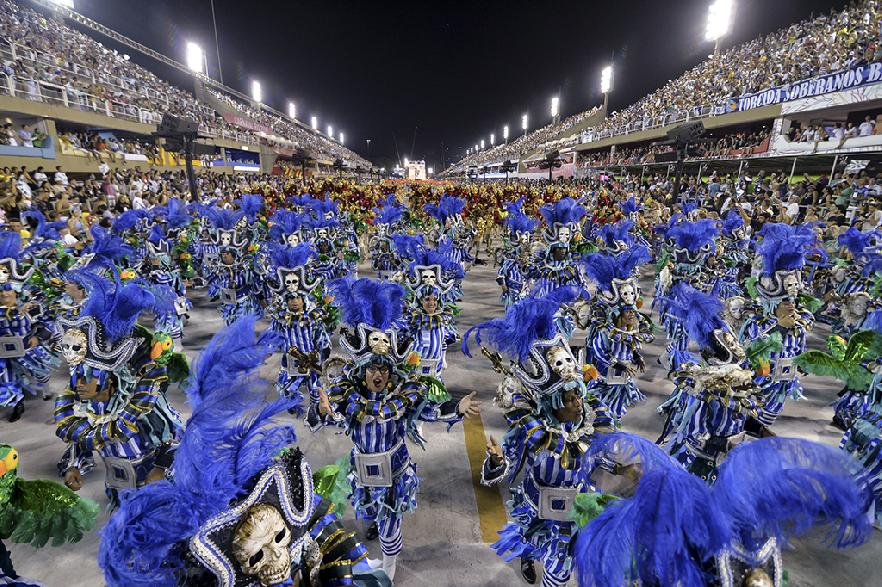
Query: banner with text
846, 79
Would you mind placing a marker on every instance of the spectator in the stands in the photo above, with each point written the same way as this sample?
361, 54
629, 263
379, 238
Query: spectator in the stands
868, 127
40, 177
25, 137
60, 176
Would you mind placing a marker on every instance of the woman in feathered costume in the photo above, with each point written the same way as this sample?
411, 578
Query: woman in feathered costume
676, 530
239, 506
116, 401
379, 402
553, 419
616, 330
779, 292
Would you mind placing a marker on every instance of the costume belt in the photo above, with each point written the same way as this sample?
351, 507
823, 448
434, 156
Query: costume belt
716, 447
374, 469
552, 503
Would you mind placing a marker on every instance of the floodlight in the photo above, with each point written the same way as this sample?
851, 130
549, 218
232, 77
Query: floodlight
256, 93
292, 110
555, 106
406, 161
719, 17
482, 143
524, 123
195, 57
430, 170
606, 79
64, 3
505, 133
492, 139
342, 140
330, 131
314, 122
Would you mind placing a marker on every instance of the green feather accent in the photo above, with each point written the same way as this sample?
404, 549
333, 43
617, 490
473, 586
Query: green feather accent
351, 256
178, 368
662, 261
435, 390
588, 506
332, 483
761, 349
40, 511
750, 286
585, 247
810, 303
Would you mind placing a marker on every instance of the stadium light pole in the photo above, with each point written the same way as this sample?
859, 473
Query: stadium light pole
342, 138
292, 110
482, 144
505, 134
524, 124
719, 18
314, 122
256, 91
195, 58
492, 139
606, 76
331, 131
555, 108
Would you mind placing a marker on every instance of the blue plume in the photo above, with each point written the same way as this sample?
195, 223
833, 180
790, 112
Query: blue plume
251, 205
43, 230
856, 241
390, 212
177, 215
699, 312
316, 223
692, 236
378, 304
617, 231
603, 268
406, 245
689, 207
157, 234
428, 257
660, 536
447, 207
107, 247
322, 207
10, 245
116, 306
732, 221
630, 206
290, 257
284, 222
782, 487
564, 211
516, 207
783, 247
128, 220
520, 222
222, 218
513, 335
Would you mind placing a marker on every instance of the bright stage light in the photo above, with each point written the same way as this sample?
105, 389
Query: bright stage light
555, 106
505, 133
342, 140
430, 170
406, 161
256, 93
314, 122
482, 143
292, 110
195, 57
492, 139
330, 131
606, 79
719, 17
524, 123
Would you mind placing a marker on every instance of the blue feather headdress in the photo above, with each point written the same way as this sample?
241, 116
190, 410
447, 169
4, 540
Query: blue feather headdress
732, 221
377, 304
290, 257
517, 222
42, 231
116, 307
613, 234
323, 208
10, 257
229, 440
106, 248
10, 245
448, 207
609, 271
630, 206
251, 205
694, 236
285, 223
565, 212
177, 216
389, 211
407, 246
858, 242
446, 269
223, 219
700, 313
783, 247
129, 220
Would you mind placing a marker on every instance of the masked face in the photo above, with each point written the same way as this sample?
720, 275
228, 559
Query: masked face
524, 238
73, 346
292, 282
857, 306
564, 234
792, 285
322, 233
427, 277
562, 363
376, 377
4, 274
735, 307
839, 273
226, 239
628, 293
293, 239
379, 343
260, 545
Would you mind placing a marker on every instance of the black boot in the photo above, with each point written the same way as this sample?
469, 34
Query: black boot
528, 571
17, 412
372, 532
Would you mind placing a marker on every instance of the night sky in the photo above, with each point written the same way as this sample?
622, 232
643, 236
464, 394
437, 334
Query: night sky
415, 77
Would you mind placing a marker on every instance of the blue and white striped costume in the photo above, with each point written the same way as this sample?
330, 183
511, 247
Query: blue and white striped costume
431, 335
610, 347
237, 279
863, 440
379, 423
30, 372
548, 455
511, 276
776, 390
307, 334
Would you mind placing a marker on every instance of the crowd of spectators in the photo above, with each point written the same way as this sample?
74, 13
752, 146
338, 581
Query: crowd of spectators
815, 46
105, 145
44, 55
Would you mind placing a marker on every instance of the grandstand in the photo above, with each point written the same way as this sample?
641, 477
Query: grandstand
52, 75
821, 73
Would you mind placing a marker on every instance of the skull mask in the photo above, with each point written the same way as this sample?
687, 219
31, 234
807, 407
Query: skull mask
293, 239
292, 282
524, 238
564, 234
562, 363
628, 293
73, 346
322, 233
260, 545
381, 229
379, 343
792, 285
428, 277
4, 275
226, 239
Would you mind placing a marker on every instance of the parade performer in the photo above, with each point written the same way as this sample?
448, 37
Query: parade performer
451, 228
239, 506
779, 294
116, 402
552, 419
234, 274
517, 253
388, 219
378, 402
616, 330
557, 267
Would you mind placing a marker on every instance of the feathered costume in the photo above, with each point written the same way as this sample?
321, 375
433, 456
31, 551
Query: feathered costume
448, 213
514, 267
239, 508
